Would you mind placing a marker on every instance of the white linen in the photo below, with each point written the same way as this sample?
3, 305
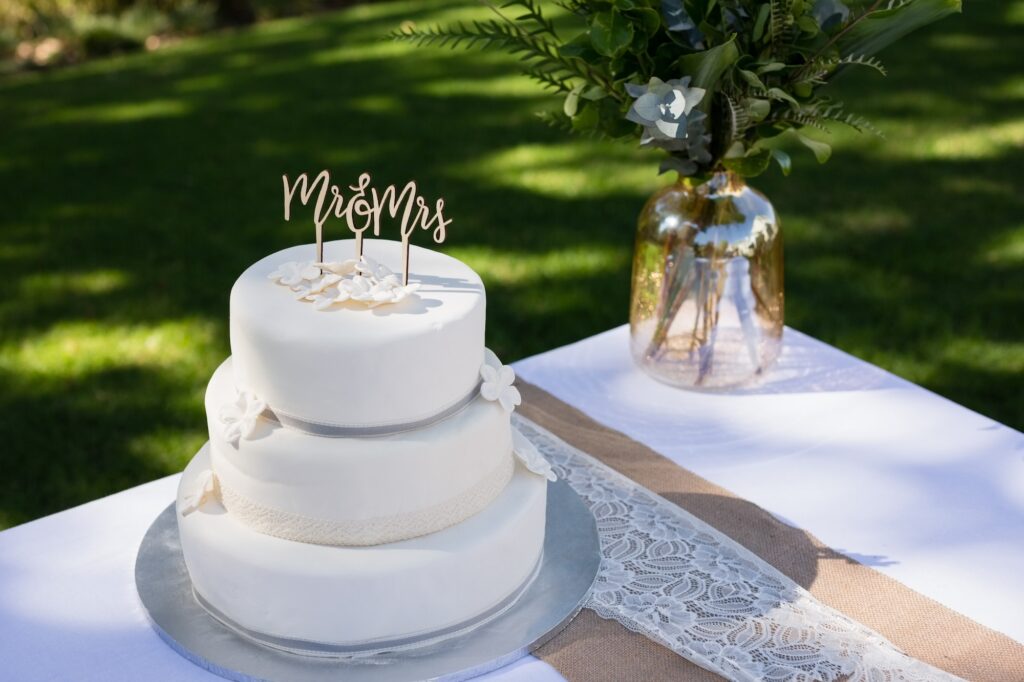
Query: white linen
895, 476
872, 465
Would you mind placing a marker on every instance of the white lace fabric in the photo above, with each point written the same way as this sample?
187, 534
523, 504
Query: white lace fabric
675, 579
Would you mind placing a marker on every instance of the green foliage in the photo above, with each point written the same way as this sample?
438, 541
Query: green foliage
755, 68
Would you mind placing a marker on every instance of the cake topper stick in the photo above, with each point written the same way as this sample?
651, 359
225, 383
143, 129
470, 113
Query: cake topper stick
321, 212
424, 221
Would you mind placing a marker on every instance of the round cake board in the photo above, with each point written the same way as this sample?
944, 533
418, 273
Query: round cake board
568, 567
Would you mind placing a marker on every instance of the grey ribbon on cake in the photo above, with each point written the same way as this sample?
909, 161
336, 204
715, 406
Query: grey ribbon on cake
347, 431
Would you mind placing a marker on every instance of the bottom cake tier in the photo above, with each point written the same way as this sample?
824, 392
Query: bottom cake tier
292, 593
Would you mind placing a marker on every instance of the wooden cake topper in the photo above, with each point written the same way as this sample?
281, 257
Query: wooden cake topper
362, 209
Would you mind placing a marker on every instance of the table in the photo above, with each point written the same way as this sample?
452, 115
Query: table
903, 480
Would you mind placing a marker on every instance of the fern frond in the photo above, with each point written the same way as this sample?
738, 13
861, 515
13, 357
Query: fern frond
780, 25
818, 114
532, 13
861, 60
548, 79
814, 72
557, 121
480, 34
538, 53
736, 119
563, 123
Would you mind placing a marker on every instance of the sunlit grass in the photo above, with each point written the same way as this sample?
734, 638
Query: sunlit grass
74, 350
65, 284
115, 113
566, 170
511, 269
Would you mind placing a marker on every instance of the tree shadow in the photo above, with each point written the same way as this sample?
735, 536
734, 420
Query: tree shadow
164, 170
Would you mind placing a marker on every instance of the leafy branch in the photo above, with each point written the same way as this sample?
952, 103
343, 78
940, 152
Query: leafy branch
714, 83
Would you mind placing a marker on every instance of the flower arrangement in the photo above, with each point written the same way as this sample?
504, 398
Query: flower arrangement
717, 84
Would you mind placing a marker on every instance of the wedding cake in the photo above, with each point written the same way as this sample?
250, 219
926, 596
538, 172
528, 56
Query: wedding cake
363, 487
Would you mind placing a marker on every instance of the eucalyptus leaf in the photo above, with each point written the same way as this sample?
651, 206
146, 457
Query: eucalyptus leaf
706, 68
572, 100
822, 150
808, 25
611, 33
782, 158
736, 150
752, 79
754, 163
880, 29
762, 19
779, 93
647, 18
757, 109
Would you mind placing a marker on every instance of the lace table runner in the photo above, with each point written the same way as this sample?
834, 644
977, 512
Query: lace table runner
675, 579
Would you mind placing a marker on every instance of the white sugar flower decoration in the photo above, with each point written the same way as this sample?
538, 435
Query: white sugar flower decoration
328, 297
239, 418
364, 280
530, 456
372, 269
206, 488
497, 383
293, 274
317, 286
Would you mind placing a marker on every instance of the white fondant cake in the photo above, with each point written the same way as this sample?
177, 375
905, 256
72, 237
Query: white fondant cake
354, 366
362, 483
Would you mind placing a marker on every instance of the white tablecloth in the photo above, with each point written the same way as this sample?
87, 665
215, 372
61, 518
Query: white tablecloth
922, 489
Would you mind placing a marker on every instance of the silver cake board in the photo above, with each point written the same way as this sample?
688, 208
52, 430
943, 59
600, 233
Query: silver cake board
567, 570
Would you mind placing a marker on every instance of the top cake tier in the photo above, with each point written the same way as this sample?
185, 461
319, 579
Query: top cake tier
353, 366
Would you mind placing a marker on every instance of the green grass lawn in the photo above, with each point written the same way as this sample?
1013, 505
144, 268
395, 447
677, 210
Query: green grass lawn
134, 191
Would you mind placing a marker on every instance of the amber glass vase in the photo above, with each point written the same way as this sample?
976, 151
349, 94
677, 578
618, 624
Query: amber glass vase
707, 300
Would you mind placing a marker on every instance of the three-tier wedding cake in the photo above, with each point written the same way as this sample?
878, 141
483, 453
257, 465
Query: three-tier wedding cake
363, 487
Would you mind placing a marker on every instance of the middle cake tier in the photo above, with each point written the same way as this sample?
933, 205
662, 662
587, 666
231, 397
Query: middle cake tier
358, 491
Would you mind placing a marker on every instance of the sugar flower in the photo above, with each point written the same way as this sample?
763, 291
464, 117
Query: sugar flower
293, 273
530, 456
206, 488
498, 383
239, 418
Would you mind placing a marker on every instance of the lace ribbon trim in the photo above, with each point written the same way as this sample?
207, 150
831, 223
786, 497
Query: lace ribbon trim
375, 531
673, 578
373, 648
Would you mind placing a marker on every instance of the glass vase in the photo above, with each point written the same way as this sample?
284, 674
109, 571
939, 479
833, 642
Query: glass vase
707, 299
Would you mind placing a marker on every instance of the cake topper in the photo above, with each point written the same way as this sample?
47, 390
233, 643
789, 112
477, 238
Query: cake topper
362, 210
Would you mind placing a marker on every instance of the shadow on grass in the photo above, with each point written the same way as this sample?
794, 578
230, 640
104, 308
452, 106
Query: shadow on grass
163, 171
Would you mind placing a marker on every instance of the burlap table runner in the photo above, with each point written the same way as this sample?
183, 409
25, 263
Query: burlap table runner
595, 649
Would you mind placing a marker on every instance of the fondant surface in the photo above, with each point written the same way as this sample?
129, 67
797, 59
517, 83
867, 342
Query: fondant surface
346, 595
361, 479
352, 366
